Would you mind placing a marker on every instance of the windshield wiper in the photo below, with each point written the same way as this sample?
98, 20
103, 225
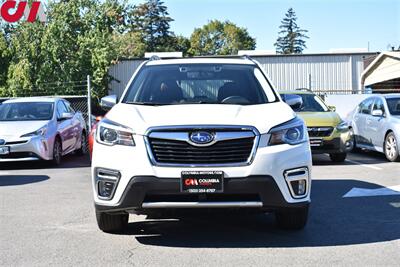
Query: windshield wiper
143, 103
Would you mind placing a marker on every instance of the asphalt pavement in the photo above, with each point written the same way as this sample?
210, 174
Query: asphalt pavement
47, 218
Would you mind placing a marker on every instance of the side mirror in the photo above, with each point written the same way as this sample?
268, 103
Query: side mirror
66, 116
377, 113
108, 102
332, 108
294, 101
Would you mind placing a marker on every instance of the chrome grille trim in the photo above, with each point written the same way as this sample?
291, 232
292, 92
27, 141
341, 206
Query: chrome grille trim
222, 133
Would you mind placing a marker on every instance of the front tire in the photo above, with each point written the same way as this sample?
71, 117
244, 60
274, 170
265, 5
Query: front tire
391, 148
84, 145
112, 223
338, 157
57, 152
292, 218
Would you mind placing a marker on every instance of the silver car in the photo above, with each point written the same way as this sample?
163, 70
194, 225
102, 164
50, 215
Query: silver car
40, 129
375, 125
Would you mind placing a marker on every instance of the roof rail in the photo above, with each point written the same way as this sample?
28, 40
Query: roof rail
249, 58
304, 89
154, 57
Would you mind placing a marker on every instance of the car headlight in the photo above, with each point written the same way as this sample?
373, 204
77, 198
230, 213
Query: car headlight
111, 133
342, 126
292, 132
41, 132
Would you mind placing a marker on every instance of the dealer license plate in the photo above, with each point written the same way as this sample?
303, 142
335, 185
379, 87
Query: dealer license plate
202, 181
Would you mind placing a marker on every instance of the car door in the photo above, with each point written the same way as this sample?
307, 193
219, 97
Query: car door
360, 118
75, 130
375, 125
64, 127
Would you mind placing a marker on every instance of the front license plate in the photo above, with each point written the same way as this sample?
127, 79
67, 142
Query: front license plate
4, 150
316, 142
202, 181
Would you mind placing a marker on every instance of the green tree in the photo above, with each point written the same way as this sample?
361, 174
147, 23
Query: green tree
220, 38
292, 38
151, 19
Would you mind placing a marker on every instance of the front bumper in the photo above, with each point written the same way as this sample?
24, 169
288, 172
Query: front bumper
144, 193
269, 163
35, 148
337, 143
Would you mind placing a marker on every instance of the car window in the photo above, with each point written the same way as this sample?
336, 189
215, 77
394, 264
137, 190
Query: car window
61, 108
378, 105
26, 111
366, 105
199, 84
68, 106
311, 103
394, 105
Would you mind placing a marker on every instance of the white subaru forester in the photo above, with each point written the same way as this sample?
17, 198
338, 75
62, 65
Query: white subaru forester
200, 134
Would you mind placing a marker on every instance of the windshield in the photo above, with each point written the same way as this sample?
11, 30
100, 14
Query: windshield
311, 103
199, 84
26, 111
394, 105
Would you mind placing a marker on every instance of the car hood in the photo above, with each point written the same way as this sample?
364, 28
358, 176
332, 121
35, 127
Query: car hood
320, 118
12, 130
140, 118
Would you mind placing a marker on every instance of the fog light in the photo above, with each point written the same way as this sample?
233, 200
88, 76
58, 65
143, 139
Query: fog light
106, 181
299, 187
105, 189
297, 181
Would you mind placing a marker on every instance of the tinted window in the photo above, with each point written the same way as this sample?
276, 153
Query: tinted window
311, 103
394, 106
26, 111
378, 105
61, 108
365, 106
198, 84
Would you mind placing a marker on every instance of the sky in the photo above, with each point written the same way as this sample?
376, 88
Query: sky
331, 24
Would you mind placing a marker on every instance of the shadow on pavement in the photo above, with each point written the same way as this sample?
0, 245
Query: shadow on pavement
69, 161
333, 221
362, 157
9, 180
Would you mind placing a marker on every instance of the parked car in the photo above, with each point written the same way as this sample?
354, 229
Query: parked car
327, 132
92, 133
200, 134
375, 125
40, 128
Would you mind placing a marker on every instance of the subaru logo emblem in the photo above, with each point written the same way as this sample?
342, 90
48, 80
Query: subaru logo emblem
201, 138
2, 142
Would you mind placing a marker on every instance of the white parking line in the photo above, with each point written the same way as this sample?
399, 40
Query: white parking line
367, 192
364, 165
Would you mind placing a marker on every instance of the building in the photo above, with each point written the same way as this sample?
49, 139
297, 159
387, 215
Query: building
383, 74
330, 73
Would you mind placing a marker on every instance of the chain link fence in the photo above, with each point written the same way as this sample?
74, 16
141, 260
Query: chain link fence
75, 92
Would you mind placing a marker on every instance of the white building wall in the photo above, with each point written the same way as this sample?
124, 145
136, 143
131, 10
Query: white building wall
331, 73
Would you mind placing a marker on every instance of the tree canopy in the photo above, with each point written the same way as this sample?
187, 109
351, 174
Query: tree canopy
85, 37
220, 38
291, 38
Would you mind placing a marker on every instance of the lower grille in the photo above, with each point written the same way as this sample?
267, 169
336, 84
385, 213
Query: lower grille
19, 155
319, 131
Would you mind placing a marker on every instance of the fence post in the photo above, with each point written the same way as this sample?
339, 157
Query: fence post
89, 97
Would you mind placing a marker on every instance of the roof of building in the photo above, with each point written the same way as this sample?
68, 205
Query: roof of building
389, 72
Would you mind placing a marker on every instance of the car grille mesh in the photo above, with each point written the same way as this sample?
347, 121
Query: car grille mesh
319, 131
181, 152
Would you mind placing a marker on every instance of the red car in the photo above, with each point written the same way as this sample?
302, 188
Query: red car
92, 134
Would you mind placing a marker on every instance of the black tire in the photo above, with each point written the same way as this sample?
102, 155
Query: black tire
57, 152
292, 218
112, 223
353, 145
84, 145
391, 148
338, 157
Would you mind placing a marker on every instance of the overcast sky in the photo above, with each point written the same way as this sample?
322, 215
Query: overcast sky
331, 24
